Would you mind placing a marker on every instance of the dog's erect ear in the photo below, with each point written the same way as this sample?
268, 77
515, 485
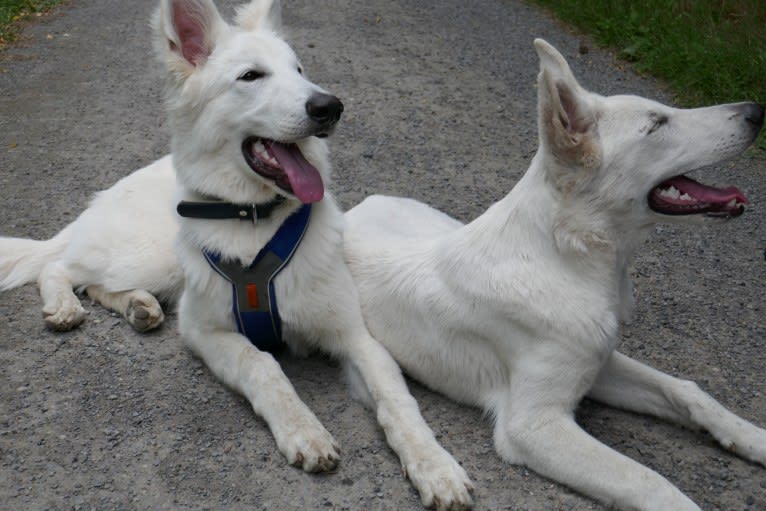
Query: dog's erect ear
260, 15
186, 32
567, 118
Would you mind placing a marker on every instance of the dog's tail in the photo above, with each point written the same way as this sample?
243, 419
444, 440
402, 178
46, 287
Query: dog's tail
22, 260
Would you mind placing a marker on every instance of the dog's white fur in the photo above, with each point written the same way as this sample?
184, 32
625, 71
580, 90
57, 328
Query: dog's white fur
518, 312
120, 250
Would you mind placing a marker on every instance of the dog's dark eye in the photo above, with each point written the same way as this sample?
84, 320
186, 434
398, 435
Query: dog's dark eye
251, 76
300, 70
658, 121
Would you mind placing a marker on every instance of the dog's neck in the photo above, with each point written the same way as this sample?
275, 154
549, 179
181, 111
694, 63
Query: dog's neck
232, 238
579, 226
217, 209
528, 230
204, 176
534, 221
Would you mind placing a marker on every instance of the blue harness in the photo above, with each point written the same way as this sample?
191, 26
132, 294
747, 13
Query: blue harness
254, 302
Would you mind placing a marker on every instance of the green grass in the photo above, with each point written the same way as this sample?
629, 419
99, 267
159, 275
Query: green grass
708, 51
14, 12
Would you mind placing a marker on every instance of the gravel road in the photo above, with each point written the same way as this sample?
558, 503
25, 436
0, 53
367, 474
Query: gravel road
439, 100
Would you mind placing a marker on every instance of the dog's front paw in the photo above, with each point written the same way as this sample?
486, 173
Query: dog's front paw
144, 312
747, 441
66, 314
440, 480
309, 446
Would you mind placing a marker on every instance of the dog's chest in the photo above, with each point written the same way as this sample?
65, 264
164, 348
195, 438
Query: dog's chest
540, 299
254, 300
305, 290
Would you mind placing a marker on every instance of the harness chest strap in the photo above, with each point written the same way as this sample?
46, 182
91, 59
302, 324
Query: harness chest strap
254, 302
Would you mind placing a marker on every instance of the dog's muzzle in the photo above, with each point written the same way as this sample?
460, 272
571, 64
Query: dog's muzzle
753, 113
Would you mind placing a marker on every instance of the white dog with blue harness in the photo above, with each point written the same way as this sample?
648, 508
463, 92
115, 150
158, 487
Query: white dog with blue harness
247, 129
250, 168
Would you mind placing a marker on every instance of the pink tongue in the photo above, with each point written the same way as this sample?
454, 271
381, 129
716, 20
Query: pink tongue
705, 193
304, 177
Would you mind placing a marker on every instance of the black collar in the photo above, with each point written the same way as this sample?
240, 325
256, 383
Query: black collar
227, 210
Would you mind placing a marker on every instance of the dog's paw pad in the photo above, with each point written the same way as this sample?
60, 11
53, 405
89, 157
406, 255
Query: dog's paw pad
327, 464
298, 461
144, 312
65, 316
318, 458
442, 482
321, 463
312, 450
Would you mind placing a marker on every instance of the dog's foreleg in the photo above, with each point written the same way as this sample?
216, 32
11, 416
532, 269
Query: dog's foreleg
300, 436
62, 309
631, 385
551, 443
140, 308
440, 480
535, 427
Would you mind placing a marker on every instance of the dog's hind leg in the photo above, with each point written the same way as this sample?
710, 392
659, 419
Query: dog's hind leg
631, 385
62, 309
140, 308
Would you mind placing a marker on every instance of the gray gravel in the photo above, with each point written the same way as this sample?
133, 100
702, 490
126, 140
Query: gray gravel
439, 102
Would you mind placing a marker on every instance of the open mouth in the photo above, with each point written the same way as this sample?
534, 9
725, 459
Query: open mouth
285, 166
682, 195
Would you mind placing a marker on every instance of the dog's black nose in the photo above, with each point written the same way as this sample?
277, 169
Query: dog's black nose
754, 114
324, 109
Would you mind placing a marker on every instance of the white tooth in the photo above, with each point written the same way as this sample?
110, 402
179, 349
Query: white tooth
260, 150
670, 192
685, 196
731, 203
